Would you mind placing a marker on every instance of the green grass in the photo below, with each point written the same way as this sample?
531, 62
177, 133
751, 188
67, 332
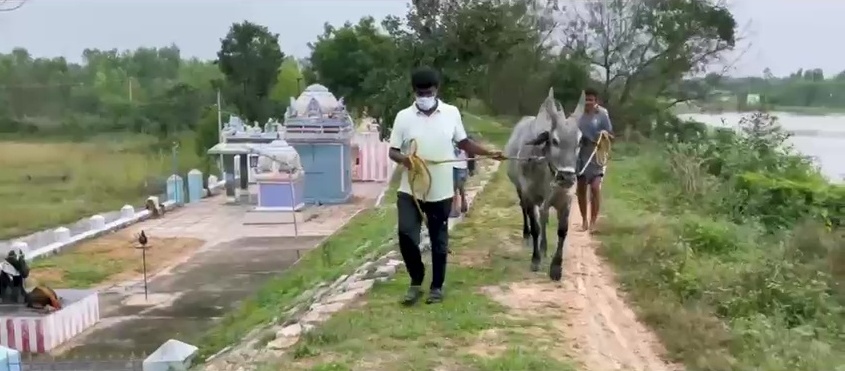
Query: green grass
47, 183
722, 296
340, 254
364, 236
468, 331
380, 335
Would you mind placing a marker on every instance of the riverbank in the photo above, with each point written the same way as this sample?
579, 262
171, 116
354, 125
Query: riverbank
820, 137
730, 107
734, 271
743, 288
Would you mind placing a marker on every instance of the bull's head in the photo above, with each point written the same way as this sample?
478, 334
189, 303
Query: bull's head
560, 142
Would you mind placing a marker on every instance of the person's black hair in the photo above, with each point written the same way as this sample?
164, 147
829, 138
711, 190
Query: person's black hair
591, 91
424, 78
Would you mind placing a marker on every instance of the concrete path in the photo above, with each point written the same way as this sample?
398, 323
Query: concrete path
243, 250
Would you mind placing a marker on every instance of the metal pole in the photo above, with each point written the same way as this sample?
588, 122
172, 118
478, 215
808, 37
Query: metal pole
144, 263
177, 186
220, 117
293, 205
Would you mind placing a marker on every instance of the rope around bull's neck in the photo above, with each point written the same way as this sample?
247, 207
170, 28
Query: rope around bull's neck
419, 176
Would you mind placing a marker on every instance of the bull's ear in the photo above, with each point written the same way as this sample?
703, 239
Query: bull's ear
539, 140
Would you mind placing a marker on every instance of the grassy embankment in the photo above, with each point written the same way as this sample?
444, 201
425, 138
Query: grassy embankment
341, 253
469, 331
48, 183
729, 279
732, 251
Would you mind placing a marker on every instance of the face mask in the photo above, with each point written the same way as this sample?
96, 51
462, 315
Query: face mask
426, 103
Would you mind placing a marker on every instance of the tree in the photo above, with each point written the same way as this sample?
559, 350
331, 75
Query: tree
343, 58
646, 47
250, 58
147, 90
288, 83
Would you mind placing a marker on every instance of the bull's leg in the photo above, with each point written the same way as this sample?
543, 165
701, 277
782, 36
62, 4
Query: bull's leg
526, 227
544, 221
536, 258
556, 267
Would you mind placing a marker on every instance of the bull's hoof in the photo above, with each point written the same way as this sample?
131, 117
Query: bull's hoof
555, 272
535, 267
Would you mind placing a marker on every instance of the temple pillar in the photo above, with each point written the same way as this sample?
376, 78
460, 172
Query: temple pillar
229, 174
244, 170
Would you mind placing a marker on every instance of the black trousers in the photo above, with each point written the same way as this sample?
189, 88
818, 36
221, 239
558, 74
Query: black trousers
410, 223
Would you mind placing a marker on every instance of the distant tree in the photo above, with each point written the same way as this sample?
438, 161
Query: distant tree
250, 58
342, 58
207, 135
648, 46
289, 83
767, 74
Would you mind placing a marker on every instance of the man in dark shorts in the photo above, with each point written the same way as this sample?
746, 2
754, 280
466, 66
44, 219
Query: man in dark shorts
592, 123
460, 173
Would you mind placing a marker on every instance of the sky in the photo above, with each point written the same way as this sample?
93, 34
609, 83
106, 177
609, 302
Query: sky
783, 35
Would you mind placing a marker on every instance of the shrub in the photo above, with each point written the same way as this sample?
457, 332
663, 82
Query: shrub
733, 225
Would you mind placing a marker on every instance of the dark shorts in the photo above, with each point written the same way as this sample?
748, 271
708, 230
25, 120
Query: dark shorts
588, 171
460, 177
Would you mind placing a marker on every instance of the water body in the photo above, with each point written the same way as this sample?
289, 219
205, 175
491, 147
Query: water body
820, 137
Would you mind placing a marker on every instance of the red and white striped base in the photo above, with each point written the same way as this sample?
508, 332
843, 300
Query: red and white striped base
34, 333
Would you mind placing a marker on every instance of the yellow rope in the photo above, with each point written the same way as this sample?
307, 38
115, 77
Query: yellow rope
419, 176
601, 152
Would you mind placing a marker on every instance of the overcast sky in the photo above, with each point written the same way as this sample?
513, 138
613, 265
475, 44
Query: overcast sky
785, 34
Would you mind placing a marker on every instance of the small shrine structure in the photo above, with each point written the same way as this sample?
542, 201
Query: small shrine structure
280, 178
240, 150
318, 126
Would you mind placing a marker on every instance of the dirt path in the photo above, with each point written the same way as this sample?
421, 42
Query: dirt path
601, 331
497, 315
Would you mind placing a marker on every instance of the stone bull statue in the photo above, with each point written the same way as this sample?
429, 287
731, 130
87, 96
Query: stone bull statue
13, 274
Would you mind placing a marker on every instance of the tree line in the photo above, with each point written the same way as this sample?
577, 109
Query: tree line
501, 55
801, 88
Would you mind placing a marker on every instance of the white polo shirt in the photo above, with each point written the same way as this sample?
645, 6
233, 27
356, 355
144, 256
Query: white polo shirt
435, 135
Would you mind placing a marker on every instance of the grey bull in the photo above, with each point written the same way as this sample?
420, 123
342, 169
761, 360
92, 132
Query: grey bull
547, 147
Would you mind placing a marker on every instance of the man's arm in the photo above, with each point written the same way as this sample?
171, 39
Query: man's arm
397, 139
470, 146
606, 125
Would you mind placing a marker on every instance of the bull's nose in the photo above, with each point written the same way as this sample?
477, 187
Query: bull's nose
565, 176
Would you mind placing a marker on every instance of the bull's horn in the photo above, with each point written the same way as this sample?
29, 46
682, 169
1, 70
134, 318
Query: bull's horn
579, 110
551, 110
552, 92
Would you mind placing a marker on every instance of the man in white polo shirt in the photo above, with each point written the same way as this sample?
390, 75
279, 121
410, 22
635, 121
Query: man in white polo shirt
435, 127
